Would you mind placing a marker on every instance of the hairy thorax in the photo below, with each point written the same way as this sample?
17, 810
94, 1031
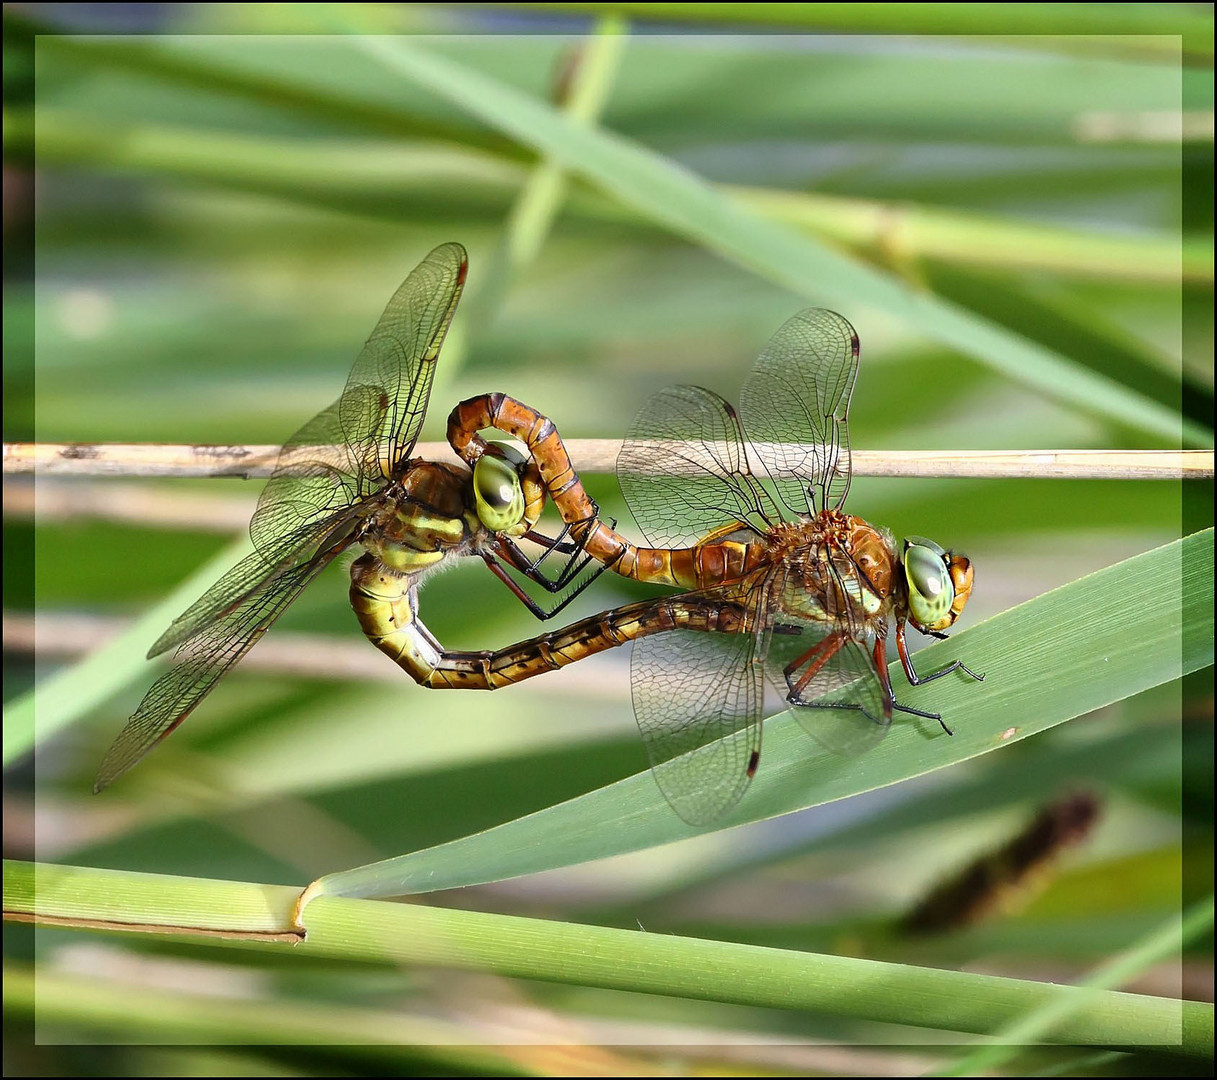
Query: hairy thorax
422, 519
837, 567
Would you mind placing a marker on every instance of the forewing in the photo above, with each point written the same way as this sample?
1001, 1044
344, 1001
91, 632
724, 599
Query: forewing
698, 699
316, 479
795, 408
348, 450
256, 573
390, 381
684, 472
202, 660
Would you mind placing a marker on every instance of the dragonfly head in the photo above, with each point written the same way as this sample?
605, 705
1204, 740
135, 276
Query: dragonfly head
939, 584
504, 480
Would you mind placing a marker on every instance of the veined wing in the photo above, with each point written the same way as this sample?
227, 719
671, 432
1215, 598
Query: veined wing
318, 480
386, 395
348, 450
257, 572
684, 472
795, 406
312, 506
205, 656
698, 699
314, 493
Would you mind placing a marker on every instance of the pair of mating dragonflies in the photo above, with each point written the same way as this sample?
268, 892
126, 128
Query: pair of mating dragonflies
778, 586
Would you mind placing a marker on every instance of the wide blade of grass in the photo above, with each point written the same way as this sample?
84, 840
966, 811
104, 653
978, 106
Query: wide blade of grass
1099, 639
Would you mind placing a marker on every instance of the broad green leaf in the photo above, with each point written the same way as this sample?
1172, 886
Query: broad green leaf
1099, 639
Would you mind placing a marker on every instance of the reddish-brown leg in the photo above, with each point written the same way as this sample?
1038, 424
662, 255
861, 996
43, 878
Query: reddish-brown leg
885, 679
822, 653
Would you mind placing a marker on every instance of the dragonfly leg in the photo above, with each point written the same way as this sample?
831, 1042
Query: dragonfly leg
889, 695
906, 662
506, 548
496, 568
551, 544
578, 559
559, 543
817, 656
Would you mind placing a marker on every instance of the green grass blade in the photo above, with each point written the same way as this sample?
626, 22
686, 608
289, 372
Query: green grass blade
65, 697
692, 208
1147, 27
652, 186
128, 1010
1161, 944
1102, 638
414, 934
399, 179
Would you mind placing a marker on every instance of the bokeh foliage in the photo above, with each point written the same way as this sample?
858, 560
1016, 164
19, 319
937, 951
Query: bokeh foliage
219, 220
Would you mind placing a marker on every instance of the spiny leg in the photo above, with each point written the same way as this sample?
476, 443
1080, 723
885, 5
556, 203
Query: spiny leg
818, 655
497, 568
579, 559
551, 544
906, 662
889, 695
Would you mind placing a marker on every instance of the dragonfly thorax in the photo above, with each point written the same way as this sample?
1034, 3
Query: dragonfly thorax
422, 518
838, 566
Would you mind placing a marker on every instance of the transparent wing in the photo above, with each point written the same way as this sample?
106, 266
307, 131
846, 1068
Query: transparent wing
257, 572
349, 450
203, 659
314, 493
386, 395
310, 508
684, 472
829, 679
698, 699
317, 477
795, 407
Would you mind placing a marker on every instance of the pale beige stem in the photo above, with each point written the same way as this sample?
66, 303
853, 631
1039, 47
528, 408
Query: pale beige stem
600, 455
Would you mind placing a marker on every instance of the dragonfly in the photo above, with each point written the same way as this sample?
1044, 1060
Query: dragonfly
744, 512
347, 479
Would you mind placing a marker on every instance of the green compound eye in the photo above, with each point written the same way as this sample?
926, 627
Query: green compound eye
497, 492
931, 592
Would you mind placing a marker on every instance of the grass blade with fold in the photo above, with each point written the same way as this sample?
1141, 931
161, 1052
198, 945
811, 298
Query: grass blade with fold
195, 909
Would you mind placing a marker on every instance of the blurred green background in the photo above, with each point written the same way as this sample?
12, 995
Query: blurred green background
201, 230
